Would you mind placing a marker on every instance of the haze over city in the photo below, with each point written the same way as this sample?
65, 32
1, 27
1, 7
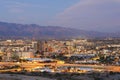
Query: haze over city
91, 15
59, 40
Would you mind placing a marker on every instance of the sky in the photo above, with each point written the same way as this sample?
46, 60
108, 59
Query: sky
91, 15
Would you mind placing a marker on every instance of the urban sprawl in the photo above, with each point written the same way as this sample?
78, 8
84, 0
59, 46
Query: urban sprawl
60, 56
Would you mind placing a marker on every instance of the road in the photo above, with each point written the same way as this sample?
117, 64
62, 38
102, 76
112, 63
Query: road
33, 65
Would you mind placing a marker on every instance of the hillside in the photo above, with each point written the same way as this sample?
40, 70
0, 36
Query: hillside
13, 30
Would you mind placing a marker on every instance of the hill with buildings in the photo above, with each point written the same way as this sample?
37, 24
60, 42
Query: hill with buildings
13, 30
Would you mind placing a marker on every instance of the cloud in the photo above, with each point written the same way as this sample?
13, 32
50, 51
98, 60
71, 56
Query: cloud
16, 7
100, 15
19, 7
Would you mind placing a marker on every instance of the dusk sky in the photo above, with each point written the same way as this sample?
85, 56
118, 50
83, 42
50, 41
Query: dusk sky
95, 15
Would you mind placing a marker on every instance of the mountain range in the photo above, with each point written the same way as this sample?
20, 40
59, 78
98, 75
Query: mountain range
14, 30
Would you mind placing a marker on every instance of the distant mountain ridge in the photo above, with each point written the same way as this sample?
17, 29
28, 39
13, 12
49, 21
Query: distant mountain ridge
13, 30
